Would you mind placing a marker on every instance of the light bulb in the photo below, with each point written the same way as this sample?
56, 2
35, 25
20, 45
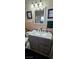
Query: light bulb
40, 4
32, 6
36, 5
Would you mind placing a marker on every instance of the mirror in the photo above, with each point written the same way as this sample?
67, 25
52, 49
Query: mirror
39, 16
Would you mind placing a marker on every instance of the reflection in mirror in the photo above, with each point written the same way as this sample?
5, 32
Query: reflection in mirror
39, 16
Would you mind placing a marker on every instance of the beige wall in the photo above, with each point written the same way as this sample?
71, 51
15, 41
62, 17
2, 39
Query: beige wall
47, 3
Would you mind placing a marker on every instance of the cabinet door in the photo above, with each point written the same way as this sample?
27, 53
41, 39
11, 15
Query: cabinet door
33, 42
45, 46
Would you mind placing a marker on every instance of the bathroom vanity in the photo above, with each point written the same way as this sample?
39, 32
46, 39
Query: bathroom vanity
41, 42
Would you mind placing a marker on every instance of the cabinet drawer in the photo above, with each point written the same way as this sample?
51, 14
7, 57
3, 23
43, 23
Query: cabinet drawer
44, 44
45, 52
44, 48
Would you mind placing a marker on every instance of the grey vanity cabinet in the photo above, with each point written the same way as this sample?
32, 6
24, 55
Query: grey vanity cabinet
40, 45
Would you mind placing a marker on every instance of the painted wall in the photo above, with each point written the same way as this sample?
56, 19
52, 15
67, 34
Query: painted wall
47, 3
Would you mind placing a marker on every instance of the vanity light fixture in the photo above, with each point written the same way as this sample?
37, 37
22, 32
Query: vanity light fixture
37, 6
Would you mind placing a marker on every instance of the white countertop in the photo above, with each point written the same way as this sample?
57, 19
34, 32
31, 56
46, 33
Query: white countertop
47, 35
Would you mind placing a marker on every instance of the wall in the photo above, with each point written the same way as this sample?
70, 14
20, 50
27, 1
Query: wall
47, 3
